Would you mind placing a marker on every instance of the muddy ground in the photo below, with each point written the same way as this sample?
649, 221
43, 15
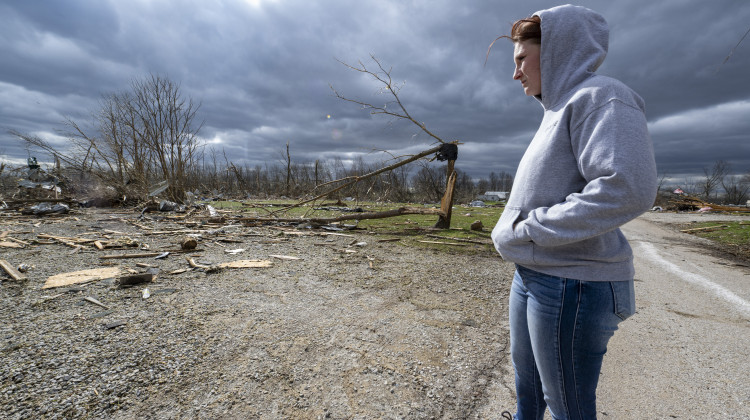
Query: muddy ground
356, 328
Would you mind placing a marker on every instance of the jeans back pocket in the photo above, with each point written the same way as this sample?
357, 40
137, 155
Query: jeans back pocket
623, 293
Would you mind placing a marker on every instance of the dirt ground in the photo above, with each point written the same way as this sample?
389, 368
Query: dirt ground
355, 328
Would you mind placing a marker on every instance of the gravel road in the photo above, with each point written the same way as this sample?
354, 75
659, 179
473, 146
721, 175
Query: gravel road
686, 353
354, 329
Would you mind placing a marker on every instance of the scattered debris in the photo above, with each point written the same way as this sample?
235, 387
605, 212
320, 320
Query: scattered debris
477, 225
81, 276
442, 243
140, 278
8, 244
188, 242
95, 302
115, 324
285, 257
11, 270
705, 229
471, 241
687, 202
145, 293
135, 255
158, 188
166, 205
195, 264
342, 209
46, 208
246, 264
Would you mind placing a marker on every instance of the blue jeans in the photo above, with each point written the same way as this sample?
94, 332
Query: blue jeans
559, 329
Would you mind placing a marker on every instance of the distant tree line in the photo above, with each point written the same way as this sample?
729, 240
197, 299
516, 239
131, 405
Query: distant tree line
719, 184
149, 134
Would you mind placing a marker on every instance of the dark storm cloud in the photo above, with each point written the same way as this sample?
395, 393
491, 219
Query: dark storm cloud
261, 71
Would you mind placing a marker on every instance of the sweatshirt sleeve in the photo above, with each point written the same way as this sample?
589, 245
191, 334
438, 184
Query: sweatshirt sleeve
615, 157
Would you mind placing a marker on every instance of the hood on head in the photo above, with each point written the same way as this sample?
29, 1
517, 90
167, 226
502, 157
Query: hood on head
574, 43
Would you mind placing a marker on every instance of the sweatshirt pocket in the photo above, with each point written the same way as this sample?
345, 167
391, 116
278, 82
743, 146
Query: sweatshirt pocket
509, 246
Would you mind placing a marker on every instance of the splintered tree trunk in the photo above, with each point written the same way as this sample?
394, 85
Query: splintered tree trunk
288, 170
446, 203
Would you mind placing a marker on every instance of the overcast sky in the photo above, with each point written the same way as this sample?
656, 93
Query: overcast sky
261, 70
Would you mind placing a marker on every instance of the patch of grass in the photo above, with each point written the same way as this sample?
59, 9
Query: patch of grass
734, 238
409, 229
414, 228
225, 205
736, 233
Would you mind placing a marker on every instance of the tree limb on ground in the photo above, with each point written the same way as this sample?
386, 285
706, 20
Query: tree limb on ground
356, 216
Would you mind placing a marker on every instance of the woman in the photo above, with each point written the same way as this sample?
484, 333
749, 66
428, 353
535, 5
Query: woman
588, 170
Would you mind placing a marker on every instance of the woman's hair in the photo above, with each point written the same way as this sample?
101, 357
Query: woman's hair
527, 29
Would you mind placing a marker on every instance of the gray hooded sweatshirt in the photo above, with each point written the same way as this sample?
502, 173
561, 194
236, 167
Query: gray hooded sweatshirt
589, 168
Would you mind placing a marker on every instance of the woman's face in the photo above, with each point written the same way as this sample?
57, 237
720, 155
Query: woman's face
526, 57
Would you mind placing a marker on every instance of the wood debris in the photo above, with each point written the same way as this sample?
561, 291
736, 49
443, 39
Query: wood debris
139, 278
704, 229
442, 243
11, 270
82, 276
9, 244
246, 264
188, 243
195, 264
460, 239
689, 202
285, 257
95, 302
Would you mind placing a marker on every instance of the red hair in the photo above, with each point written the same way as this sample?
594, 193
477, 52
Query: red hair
527, 29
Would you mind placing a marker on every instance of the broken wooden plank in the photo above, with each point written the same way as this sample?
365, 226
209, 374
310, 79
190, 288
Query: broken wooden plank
147, 254
442, 243
82, 276
9, 244
65, 239
705, 229
11, 270
135, 255
285, 257
95, 302
459, 239
10, 238
246, 264
336, 234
